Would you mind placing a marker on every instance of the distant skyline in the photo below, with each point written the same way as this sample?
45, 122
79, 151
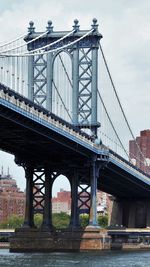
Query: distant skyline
125, 26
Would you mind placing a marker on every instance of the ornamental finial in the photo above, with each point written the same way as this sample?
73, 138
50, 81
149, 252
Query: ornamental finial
31, 27
76, 26
95, 25
49, 26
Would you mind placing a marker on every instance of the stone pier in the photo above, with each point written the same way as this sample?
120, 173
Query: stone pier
88, 239
39, 181
131, 213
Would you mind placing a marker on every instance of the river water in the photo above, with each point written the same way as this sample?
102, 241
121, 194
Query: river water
95, 259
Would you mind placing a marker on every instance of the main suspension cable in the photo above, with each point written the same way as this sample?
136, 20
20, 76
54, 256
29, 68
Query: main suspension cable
112, 123
12, 41
25, 44
49, 51
112, 83
53, 43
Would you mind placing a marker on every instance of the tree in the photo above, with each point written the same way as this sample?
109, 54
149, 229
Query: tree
84, 220
103, 220
14, 221
38, 218
60, 220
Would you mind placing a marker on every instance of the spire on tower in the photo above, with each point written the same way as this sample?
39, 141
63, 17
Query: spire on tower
8, 172
2, 170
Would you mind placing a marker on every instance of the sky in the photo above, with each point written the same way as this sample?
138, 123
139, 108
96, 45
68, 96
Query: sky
125, 26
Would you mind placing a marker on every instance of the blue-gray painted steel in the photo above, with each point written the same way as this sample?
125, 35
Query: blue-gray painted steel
84, 73
28, 222
117, 160
74, 204
94, 90
75, 92
93, 207
31, 78
49, 82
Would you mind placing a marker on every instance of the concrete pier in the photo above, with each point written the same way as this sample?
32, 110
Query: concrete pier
87, 239
131, 213
130, 238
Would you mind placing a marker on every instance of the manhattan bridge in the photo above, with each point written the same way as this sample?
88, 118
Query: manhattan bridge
60, 114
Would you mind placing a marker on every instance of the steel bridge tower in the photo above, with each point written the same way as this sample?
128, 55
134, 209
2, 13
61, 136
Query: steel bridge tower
84, 60
81, 169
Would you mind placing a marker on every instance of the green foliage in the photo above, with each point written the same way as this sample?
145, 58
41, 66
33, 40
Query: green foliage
60, 220
38, 218
102, 220
84, 220
14, 221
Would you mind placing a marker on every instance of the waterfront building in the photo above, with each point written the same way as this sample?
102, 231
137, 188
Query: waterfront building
62, 202
137, 157
103, 202
12, 200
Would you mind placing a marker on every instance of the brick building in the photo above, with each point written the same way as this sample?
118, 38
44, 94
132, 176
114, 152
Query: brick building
62, 203
12, 200
143, 142
103, 202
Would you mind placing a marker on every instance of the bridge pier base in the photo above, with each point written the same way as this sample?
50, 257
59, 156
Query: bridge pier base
75, 237
131, 213
34, 240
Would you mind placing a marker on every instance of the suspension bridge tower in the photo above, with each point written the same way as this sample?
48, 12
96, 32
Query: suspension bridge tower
84, 64
81, 168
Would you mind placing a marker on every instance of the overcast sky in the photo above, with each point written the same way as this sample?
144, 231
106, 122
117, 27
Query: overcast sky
125, 26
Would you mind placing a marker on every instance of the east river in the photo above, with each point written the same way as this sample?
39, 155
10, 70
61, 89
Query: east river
95, 259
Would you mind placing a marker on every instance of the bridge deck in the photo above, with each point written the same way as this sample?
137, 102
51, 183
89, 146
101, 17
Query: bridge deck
30, 131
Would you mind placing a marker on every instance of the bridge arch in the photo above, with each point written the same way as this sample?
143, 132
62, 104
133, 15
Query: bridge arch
62, 85
61, 201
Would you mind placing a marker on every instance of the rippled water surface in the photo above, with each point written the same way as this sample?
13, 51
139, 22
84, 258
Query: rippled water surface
98, 259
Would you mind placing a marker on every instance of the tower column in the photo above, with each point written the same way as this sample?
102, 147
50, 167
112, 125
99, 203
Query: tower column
47, 214
93, 206
49, 81
29, 220
94, 90
31, 78
74, 222
75, 91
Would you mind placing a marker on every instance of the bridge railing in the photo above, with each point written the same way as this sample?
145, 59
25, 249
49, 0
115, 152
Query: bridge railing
43, 114
128, 165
